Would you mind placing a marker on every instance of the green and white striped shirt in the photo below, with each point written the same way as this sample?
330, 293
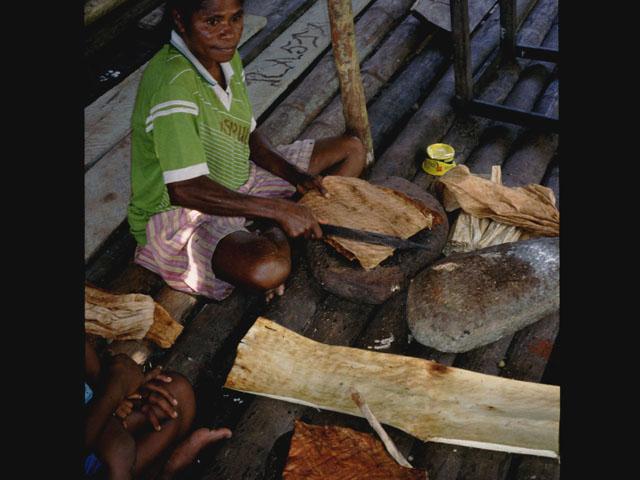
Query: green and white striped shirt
185, 125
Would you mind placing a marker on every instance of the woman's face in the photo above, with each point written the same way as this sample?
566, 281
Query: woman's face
214, 32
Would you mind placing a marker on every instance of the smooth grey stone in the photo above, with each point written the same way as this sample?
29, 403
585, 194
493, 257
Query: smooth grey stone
471, 299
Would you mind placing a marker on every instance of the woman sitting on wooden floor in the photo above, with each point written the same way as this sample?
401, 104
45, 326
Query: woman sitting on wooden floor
200, 169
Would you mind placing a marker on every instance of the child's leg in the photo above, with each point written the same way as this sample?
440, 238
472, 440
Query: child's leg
91, 364
116, 449
344, 156
155, 447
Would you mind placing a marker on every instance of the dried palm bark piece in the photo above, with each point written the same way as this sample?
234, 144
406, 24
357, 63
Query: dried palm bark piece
532, 208
356, 203
433, 402
328, 452
472, 233
164, 330
131, 316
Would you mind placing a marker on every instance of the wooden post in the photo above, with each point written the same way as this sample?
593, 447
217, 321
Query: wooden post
354, 103
508, 31
462, 49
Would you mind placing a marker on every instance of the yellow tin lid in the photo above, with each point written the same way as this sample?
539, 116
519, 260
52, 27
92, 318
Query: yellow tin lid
441, 151
437, 167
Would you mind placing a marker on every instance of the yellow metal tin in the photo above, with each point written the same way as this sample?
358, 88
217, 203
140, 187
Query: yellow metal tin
437, 167
441, 151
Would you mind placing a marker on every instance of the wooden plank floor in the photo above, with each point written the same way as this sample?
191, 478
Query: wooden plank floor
408, 79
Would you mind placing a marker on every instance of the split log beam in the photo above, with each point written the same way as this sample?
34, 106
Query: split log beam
435, 116
500, 137
280, 15
152, 20
410, 36
315, 91
108, 261
114, 23
204, 339
94, 9
497, 139
439, 13
354, 104
525, 164
244, 456
537, 468
289, 55
469, 131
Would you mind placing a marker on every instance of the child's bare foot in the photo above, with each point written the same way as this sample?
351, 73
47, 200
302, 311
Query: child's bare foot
186, 452
270, 294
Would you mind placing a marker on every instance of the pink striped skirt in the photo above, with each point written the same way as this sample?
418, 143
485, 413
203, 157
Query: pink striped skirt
181, 241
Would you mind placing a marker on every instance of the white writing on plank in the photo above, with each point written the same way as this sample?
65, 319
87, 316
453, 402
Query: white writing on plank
275, 68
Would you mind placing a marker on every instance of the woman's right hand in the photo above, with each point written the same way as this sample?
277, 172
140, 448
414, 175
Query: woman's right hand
297, 220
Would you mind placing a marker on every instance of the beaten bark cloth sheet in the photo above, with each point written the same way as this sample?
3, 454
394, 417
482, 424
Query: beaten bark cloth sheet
356, 203
329, 452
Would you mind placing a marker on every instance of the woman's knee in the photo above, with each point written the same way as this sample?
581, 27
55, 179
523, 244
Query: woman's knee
357, 154
269, 272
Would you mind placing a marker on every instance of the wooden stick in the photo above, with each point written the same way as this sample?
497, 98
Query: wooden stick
375, 424
354, 104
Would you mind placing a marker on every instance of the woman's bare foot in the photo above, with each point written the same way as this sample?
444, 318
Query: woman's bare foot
186, 452
270, 294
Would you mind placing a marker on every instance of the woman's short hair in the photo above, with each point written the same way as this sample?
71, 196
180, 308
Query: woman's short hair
186, 9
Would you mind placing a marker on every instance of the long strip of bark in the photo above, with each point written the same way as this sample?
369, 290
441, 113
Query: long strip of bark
423, 398
336, 321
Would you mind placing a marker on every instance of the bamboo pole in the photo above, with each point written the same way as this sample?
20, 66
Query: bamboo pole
345, 54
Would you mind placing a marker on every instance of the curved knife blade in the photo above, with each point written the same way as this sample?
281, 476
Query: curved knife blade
370, 237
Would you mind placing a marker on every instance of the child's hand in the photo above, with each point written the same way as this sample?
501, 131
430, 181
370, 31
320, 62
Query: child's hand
157, 400
126, 408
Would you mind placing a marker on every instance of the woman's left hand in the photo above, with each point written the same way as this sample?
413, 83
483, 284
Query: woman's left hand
306, 182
